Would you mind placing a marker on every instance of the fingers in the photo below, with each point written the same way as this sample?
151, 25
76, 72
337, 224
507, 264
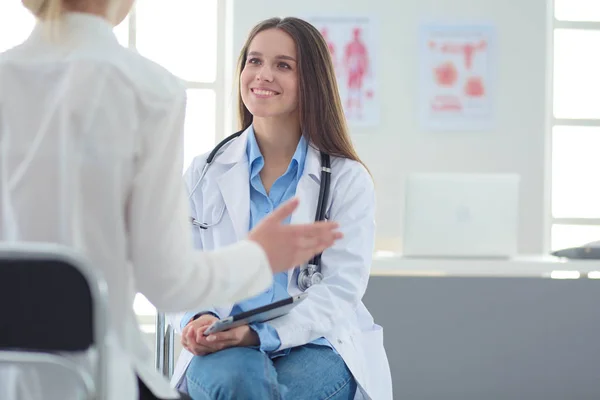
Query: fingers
212, 343
188, 337
194, 341
309, 246
200, 350
187, 334
199, 337
314, 229
204, 320
213, 340
284, 210
222, 336
315, 245
312, 235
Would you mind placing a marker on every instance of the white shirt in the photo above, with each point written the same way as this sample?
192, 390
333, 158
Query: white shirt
91, 136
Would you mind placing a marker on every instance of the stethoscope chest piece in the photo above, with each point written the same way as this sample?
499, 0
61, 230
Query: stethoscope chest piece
309, 276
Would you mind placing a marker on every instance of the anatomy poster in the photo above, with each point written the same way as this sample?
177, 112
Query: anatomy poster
352, 44
456, 79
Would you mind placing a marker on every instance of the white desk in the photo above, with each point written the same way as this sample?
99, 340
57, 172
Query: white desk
526, 265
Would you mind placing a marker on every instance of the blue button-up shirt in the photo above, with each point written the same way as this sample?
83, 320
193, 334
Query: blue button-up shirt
261, 204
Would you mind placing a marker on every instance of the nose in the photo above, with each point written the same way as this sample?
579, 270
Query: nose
265, 74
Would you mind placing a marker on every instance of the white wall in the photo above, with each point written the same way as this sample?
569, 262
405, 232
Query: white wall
518, 143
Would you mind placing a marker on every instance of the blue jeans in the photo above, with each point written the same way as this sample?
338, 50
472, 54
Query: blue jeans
309, 372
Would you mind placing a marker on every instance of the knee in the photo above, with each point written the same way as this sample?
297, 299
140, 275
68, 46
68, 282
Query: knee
227, 376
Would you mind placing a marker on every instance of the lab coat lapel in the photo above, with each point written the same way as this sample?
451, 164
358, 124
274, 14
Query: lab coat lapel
308, 192
235, 189
234, 185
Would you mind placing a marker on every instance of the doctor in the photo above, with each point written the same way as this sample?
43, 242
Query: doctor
90, 157
328, 347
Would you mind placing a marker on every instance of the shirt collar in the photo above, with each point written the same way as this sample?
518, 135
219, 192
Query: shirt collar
254, 154
79, 28
300, 156
252, 149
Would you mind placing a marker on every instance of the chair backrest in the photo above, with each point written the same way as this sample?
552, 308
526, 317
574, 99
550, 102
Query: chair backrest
165, 346
51, 302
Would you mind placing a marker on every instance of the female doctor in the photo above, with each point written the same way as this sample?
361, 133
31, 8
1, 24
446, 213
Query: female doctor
328, 346
97, 131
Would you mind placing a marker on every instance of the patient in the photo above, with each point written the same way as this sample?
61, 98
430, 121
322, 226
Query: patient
328, 347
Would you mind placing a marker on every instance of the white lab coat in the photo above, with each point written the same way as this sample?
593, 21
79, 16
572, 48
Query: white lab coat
333, 308
91, 136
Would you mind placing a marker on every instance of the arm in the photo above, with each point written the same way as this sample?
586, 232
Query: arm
180, 319
268, 337
168, 271
345, 266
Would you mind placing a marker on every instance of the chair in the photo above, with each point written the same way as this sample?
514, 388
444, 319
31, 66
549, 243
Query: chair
165, 346
52, 304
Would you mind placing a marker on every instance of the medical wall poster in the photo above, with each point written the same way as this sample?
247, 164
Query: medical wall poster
456, 84
352, 44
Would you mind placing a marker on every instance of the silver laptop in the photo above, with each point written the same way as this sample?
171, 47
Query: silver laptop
461, 215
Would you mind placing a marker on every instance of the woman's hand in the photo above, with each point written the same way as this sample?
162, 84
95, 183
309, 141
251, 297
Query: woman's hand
192, 336
242, 336
193, 339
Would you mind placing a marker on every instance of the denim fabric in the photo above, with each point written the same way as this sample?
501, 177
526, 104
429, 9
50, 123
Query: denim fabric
310, 372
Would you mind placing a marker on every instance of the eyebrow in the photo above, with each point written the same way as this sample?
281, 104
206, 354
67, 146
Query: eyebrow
280, 57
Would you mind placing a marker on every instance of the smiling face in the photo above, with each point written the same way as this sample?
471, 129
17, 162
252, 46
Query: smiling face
269, 79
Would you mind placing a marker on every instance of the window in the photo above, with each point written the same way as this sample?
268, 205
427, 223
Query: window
575, 123
181, 35
15, 24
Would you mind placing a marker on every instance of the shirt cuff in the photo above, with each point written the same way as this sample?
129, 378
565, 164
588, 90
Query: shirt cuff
189, 316
268, 336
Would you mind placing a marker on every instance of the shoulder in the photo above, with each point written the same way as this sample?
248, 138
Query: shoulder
131, 70
350, 173
149, 79
352, 191
193, 171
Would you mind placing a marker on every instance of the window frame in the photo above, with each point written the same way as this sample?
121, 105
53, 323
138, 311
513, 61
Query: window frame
555, 25
219, 83
147, 319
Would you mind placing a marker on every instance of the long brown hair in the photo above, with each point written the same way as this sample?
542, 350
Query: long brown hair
322, 119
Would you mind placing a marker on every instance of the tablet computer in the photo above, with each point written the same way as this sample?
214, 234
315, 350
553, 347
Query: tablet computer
259, 314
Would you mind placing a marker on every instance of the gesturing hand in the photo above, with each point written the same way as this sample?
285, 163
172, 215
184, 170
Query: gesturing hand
287, 246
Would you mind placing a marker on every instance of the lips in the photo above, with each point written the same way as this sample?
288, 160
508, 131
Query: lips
264, 92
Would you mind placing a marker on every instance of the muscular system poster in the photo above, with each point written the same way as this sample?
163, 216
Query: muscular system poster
352, 44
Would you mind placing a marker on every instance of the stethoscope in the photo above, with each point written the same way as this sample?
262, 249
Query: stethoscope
310, 274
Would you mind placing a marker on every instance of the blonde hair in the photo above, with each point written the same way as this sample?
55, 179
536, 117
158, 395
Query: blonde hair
45, 9
52, 11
